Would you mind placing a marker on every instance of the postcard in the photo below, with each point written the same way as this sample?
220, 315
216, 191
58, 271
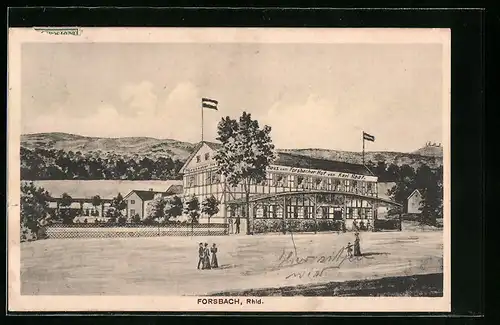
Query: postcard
229, 169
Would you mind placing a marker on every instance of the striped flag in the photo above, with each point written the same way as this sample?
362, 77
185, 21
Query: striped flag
368, 137
209, 103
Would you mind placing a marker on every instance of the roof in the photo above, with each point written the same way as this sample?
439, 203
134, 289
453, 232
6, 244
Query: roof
212, 145
145, 195
298, 161
175, 189
413, 193
106, 189
260, 197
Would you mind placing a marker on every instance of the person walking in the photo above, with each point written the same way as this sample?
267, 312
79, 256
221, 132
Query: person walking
201, 254
215, 262
357, 248
206, 258
237, 223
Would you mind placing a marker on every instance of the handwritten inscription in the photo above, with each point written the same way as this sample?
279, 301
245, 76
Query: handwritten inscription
326, 263
59, 31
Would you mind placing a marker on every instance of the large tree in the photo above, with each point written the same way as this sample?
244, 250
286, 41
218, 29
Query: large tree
246, 152
431, 206
34, 206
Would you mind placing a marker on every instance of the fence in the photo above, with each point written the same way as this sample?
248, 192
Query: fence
131, 230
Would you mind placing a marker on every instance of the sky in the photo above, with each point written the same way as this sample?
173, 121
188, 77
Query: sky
312, 95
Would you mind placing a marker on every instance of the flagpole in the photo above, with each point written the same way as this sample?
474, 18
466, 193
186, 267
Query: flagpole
202, 121
363, 148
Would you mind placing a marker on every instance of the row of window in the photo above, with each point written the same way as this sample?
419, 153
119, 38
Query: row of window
204, 178
207, 157
282, 181
298, 212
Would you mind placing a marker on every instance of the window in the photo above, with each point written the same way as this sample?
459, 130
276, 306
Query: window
317, 183
208, 178
300, 181
369, 188
132, 212
191, 181
347, 187
198, 159
207, 156
132, 201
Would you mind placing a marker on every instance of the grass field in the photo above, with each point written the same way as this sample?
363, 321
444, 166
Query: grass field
167, 265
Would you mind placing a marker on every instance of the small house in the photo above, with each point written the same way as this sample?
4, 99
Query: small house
137, 201
413, 202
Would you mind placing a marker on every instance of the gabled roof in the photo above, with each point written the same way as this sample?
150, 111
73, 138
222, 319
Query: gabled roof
211, 145
298, 161
174, 189
413, 193
144, 195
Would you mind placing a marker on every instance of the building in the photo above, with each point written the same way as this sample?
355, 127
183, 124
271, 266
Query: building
296, 187
413, 202
138, 200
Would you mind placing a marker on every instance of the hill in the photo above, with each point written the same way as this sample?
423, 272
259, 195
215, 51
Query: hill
430, 151
129, 146
59, 156
397, 158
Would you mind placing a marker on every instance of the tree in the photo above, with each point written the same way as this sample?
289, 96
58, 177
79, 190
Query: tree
246, 152
173, 207
96, 201
154, 209
34, 206
210, 207
431, 206
119, 203
65, 202
192, 209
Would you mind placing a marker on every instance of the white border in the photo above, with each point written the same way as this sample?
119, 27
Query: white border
19, 36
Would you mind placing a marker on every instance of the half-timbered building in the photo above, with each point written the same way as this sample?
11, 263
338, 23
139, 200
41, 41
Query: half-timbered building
296, 187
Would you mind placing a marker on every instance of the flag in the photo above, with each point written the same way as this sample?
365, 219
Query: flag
209, 103
368, 137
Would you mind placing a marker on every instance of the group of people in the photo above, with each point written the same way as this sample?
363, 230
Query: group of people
354, 250
204, 257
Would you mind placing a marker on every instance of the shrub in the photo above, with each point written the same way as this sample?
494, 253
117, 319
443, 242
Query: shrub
296, 225
268, 225
386, 224
136, 219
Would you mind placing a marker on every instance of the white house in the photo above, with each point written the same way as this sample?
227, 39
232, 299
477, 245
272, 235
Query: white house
413, 202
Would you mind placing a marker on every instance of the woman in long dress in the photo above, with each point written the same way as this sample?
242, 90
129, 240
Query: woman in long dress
357, 248
215, 263
206, 257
